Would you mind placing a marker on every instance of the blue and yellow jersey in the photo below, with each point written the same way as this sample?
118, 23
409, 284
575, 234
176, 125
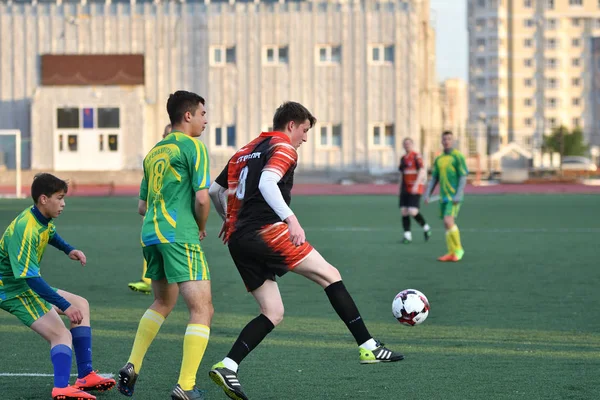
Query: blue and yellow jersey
21, 250
447, 169
174, 170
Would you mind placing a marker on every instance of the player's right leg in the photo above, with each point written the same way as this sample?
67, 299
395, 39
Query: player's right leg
165, 298
52, 328
318, 270
225, 373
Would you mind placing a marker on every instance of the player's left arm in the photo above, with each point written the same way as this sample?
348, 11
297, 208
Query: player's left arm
435, 174
282, 159
218, 192
463, 172
421, 174
58, 242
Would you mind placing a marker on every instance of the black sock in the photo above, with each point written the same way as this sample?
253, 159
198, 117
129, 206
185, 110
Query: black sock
420, 220
250, 337
406, 223
346, 309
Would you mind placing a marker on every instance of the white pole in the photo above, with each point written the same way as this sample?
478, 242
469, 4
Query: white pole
18, 163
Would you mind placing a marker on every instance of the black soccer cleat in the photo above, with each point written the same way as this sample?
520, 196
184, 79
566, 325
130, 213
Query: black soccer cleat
427, 235
228, 381
127, 378
195, 394
380, 354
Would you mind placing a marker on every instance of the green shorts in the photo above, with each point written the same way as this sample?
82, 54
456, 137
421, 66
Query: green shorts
449, 209
177, 262
27, 306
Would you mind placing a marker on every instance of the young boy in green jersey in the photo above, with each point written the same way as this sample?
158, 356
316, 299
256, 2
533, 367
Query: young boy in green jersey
175, 203
25, 294
450, 171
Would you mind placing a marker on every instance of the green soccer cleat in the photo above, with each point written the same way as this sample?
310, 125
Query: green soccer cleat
141, 287
459, 254
427, 235
195, 394
380, 354
228, 381
406, 241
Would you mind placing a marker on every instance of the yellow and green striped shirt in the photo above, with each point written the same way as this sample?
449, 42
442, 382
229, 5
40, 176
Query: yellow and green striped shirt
447, 170
22, 247
174, 170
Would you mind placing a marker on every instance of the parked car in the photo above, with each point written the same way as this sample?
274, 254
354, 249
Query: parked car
577, 163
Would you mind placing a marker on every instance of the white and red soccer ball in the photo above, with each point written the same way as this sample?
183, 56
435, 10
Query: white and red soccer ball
410, 307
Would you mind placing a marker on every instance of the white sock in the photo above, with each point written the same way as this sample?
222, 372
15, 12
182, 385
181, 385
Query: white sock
230, 364
370, 345
408, 235
426, 227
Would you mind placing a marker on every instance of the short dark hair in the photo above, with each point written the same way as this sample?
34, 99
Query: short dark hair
446, 133
181, 102
47, 184
291, 111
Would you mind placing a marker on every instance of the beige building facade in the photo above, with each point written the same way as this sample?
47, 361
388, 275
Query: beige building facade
357, 64
531, 68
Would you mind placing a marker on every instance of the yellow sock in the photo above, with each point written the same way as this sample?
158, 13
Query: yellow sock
194, 345
455, 237
147, 329
449, 241
144, 279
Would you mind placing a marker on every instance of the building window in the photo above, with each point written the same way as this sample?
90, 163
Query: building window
274, 55
109, 117
576, 3
575, 42
224, 136
551, 63
598, 19
575, 21
67, 118
528, 23
481, 43
381, 54
551, 24
528, 62
527, 42
552, 102
577, 122
552, 122
383, 135
575, 62
330, 136
528, 82
575, 101
576, 81
480, 23
72, 142
481, 62
528, 122
552, 83
551, 44
550, 4
329, 54
527, 3
527, 102
221, 55
113, 143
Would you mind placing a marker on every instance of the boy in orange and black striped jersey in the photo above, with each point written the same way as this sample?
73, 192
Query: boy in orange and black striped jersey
265, 240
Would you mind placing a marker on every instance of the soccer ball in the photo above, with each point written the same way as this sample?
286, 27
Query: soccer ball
410, 307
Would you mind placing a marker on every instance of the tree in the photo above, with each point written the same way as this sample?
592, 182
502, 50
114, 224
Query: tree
566, 143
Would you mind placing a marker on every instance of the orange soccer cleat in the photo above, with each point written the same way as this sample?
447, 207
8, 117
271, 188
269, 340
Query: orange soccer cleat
71, 393
93, 381
448, 257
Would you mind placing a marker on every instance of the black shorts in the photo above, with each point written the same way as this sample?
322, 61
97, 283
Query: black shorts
410, 200
266, 254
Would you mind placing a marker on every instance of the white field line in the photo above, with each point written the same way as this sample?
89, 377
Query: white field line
470, 230
35, 375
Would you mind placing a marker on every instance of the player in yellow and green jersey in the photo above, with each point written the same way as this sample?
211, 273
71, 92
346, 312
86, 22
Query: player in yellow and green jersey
450, 171
175, 204
144, 284
27, 296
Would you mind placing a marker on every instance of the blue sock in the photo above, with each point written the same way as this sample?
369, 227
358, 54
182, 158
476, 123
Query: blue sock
82, 344
61, 356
